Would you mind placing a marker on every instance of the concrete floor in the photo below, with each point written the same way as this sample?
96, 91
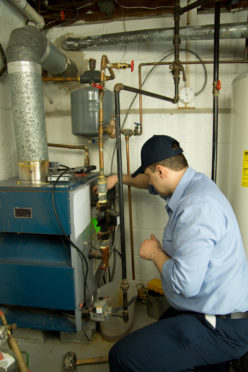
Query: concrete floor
46, 350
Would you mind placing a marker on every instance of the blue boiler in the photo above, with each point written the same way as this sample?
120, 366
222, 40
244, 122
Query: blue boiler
46, 276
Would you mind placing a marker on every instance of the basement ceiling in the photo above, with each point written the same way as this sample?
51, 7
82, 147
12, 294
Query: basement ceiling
63, 13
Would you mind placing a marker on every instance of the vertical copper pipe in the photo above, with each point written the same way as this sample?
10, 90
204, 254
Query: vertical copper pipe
100, 132
104, 62
14, 346
130, 208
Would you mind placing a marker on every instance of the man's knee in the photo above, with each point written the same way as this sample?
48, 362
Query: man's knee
118, 356
115, 355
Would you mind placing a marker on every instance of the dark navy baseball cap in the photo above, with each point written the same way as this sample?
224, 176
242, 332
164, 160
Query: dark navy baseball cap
156, 149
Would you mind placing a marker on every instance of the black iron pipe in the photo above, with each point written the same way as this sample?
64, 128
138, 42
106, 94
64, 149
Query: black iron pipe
176, 30
119, 87
215, 89
176, 42
121, 201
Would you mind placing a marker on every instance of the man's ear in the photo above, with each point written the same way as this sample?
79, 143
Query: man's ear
162, 171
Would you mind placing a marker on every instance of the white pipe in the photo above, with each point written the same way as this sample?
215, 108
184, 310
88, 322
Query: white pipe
29, 12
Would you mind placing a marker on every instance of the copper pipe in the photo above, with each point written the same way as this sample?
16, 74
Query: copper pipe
190, 63
105, 64
140, 105
79, 147
130, 208
14, 345
105, 256
169, 63
100, 133
61, 79
102, 183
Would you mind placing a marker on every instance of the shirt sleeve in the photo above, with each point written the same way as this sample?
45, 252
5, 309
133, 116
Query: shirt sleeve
193, 239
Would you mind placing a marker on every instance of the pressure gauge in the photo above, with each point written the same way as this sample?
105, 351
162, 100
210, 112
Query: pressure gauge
186, 95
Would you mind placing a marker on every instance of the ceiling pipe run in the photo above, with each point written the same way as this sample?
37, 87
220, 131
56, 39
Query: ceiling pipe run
29, 12
227, 31
29, 51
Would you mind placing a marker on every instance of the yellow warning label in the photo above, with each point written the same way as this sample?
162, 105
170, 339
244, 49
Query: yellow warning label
244, 182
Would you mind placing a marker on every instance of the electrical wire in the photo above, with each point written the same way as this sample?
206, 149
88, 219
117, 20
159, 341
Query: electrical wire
143, 7
145, 79
81, 254
114, 251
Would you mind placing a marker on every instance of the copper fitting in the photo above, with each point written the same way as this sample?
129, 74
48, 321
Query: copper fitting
105, 64
111, 128
102, 189
104, 246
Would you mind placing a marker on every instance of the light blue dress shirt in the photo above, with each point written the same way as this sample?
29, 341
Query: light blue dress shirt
208, 269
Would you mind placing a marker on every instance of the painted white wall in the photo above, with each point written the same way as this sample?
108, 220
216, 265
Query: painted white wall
192, 126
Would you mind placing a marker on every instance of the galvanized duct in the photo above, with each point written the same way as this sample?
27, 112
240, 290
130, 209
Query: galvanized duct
227, 31
27, 52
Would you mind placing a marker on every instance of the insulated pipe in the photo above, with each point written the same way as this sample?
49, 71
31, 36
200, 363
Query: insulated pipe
29, 12
215, 90
27, 52
159, 35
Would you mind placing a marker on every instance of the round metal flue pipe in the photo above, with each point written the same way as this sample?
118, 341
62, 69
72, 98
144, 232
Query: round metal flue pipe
227, 31
27, 52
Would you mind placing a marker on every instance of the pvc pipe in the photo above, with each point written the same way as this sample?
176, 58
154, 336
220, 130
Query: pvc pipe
29, 12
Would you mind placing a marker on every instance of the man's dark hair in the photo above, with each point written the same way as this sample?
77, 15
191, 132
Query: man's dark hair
175, 163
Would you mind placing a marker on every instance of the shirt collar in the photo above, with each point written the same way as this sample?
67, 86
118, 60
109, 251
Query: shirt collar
173, 200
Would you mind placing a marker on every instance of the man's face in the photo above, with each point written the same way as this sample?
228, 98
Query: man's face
159, 180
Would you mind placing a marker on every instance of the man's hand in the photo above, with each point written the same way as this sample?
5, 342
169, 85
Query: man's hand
151, 249
111, 182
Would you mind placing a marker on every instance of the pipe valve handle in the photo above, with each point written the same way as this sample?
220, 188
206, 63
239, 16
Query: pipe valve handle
132, 65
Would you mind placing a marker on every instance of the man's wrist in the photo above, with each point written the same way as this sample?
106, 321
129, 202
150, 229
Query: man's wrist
159, 258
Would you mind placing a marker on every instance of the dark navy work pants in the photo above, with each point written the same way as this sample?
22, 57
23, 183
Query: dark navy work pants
180, 342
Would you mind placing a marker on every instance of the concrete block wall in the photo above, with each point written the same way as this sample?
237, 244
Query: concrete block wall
191, 126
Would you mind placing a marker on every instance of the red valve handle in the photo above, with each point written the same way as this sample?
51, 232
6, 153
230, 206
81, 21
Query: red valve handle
102, 267
62, 15
132, 65
218, 85
99, 86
